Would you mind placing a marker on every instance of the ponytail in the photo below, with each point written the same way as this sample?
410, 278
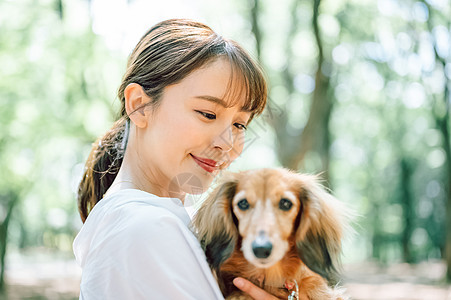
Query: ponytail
102, 166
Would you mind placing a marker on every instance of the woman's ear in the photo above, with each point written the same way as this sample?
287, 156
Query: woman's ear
135, 103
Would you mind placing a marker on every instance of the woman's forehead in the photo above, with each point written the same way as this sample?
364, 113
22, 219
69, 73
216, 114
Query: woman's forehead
223, 103
226, 83
236, 92
219, 82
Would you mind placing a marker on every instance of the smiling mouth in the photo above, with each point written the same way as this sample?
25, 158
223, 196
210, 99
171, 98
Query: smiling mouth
208, 165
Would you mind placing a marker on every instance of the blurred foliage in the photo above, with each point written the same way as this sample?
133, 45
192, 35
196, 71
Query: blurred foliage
56, 92
388, 63
391, 85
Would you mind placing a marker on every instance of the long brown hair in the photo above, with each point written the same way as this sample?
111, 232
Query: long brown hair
165, 55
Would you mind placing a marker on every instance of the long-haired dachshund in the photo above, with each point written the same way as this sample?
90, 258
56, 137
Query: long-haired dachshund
275, 228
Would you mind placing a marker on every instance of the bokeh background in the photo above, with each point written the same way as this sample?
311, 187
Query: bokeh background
359, 92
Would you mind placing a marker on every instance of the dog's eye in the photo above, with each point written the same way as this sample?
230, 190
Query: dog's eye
243, 204
285, 204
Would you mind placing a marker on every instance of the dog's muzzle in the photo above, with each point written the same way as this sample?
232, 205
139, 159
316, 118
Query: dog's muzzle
261, 246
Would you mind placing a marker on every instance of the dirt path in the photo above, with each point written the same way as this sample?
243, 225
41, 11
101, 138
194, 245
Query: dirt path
369, 281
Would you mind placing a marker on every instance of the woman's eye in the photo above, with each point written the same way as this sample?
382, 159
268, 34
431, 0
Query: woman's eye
207, 115
240, 126
285, 204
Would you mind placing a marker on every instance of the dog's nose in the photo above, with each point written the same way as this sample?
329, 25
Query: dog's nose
262, 246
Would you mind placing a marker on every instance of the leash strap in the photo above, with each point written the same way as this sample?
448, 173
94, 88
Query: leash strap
294, 294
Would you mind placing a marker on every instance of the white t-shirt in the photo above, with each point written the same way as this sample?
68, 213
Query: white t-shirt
135, 245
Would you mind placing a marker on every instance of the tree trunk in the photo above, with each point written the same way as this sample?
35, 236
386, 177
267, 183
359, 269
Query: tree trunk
255, 12
448, 210
11, 200
407, 203
314, 137
443, 126
441, 117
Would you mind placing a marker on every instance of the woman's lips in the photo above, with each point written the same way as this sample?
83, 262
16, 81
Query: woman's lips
208, 165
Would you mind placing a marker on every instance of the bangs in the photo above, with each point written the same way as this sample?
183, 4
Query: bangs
247, 79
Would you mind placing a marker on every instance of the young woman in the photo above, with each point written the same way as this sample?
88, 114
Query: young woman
187, 96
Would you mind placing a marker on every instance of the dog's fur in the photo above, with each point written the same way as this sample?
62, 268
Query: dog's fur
306, 238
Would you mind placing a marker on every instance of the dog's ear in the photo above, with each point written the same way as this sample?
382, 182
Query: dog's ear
215, 224
322, 223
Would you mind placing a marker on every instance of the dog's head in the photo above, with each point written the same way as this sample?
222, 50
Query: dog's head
270, 211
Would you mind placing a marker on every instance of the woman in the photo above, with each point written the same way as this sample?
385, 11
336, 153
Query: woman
187, 96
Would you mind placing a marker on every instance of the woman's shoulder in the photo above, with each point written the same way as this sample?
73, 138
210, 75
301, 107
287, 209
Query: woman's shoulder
134, 212
131, 217
140, 206
149, 222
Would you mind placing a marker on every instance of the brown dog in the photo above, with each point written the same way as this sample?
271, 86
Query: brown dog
273, 227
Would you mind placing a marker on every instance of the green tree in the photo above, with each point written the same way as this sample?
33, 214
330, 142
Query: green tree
313, 138
439, 21
377, 120
55, 97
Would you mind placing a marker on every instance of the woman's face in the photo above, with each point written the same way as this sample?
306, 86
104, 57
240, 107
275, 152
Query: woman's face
194, 132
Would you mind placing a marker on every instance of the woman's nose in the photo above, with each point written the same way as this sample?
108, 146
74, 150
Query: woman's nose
225, 139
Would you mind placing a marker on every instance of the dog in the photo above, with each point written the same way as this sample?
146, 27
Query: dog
277, 228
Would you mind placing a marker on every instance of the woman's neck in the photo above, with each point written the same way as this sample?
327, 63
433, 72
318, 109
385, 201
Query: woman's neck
131, 176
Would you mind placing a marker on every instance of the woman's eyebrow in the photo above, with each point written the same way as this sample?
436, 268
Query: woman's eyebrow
217, 100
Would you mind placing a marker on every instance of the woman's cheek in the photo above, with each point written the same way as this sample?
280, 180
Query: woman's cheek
238, 146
